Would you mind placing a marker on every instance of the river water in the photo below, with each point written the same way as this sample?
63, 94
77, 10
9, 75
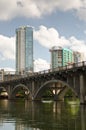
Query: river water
46, 115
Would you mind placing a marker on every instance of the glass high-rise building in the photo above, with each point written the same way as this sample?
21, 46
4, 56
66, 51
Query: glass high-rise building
60, 56
24, 49
67, 57
56, 56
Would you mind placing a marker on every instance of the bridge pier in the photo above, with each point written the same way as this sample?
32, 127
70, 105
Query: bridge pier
9, 92
56, 97
82, 90
10, 97
33, 89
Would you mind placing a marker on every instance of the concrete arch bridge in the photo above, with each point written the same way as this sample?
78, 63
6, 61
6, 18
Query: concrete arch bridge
57, 81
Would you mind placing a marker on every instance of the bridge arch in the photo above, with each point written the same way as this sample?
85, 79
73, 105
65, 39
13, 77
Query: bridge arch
22, 87
53, 84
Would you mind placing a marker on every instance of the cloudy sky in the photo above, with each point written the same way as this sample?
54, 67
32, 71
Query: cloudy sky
55, 22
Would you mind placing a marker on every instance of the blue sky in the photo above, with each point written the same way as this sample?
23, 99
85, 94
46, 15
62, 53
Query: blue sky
55, 22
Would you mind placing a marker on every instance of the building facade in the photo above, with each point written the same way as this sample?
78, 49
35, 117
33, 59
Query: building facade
67, 57
24, 49
1, 75
78, 57
56, 57
60, 56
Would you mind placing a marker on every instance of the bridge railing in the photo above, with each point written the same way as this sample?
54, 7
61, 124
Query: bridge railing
60, 68
12, 75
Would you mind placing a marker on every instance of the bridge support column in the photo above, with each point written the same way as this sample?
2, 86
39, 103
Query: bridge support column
82, 90
9, 97
58, 88
55, 91
33, 87
9, 93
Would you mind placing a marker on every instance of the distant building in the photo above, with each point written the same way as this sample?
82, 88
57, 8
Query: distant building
1, 75
60, 56
56, 56
24, 49
78, 57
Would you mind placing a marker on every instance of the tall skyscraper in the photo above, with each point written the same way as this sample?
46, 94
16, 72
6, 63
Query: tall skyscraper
24, 49
60, 56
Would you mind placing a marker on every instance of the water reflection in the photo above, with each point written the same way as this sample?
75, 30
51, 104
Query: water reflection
24, 115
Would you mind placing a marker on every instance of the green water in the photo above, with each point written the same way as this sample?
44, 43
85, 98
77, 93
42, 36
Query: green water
25, 115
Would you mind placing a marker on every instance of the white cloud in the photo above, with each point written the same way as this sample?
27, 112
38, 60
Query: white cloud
7, 47
40, 65
68, 4
36, 8
46, 37
81, 13
85, 32
49, 37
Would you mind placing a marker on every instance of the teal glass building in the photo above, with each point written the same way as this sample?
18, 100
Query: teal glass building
60, 57
24, 49
67, 56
